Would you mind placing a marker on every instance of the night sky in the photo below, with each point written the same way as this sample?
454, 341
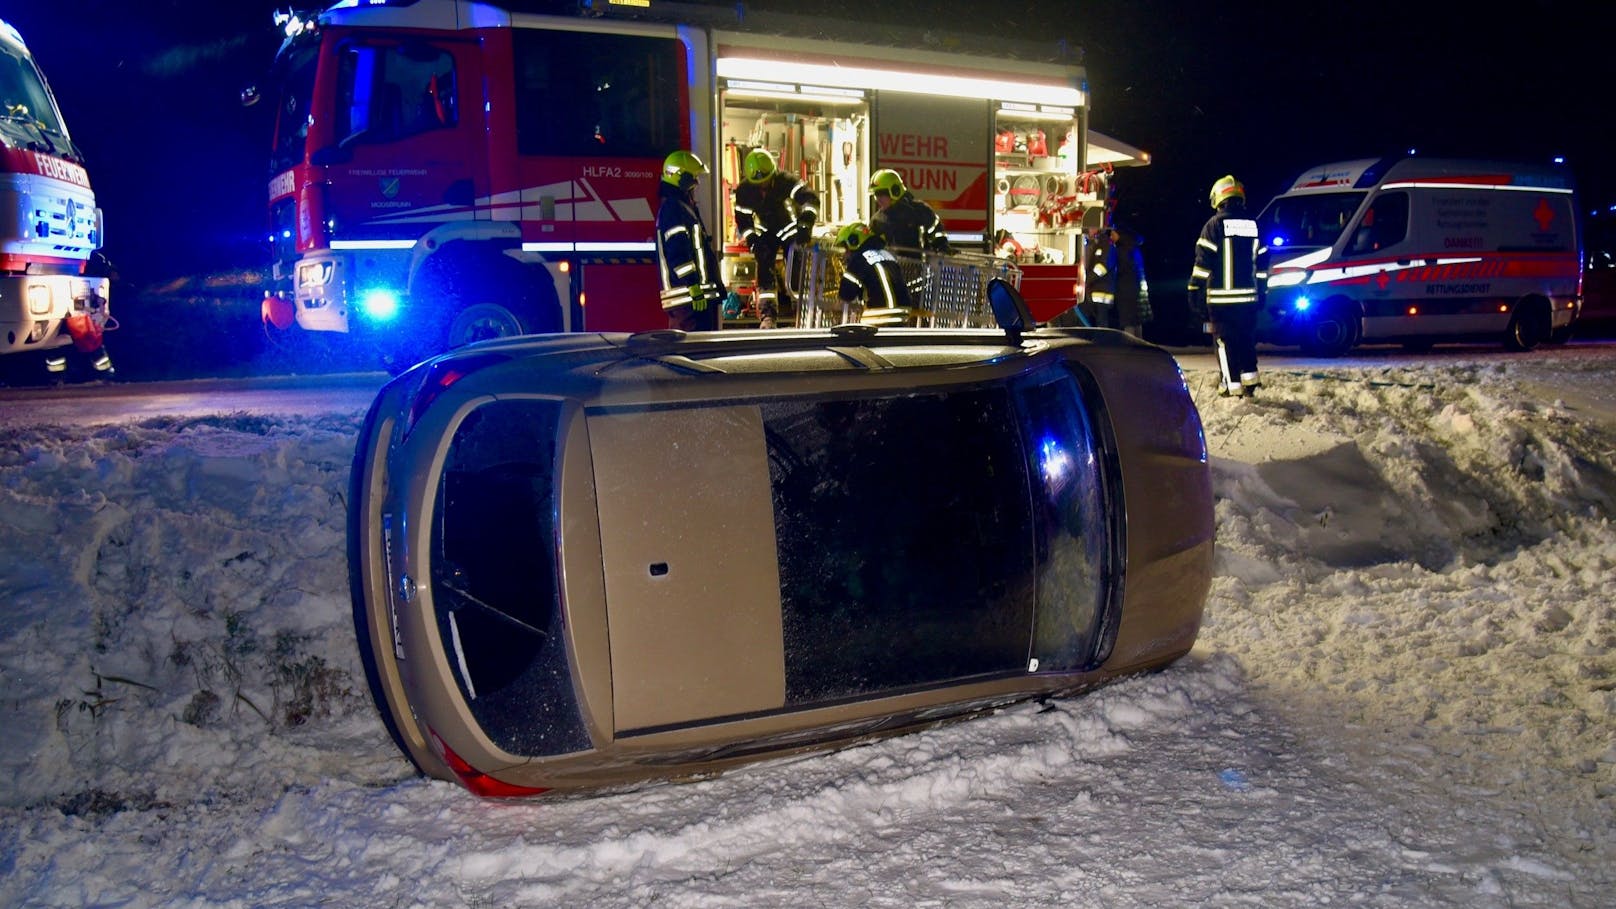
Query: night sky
1261, 90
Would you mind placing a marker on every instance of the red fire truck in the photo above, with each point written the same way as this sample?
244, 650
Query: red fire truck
446, 171
49, 224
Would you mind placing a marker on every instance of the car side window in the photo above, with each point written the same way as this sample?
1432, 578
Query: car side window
1074, 529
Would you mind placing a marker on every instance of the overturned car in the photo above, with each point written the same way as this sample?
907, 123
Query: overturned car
584, 561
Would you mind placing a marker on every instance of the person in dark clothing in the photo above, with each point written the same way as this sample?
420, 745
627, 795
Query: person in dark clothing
871, 276
772, 210
87, 327
692, 285
902, 220
1118, 295
1223, 287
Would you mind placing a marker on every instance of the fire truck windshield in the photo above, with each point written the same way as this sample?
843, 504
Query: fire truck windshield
1311, 220
23, 94
294, 82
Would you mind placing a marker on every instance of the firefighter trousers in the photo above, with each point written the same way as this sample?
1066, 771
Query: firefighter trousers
1234, 334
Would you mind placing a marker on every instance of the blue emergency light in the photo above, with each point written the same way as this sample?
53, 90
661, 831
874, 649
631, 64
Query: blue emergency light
379, 304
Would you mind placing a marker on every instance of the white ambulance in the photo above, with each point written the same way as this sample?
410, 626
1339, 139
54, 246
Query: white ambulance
1419, 250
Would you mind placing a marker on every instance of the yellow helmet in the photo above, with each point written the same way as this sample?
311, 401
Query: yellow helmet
887, 181
853, 235
759, 165
1225, 189
681, 166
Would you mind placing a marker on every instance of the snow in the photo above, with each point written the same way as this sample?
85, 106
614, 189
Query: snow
1404, 693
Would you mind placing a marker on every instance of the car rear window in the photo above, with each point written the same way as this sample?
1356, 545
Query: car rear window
494, 578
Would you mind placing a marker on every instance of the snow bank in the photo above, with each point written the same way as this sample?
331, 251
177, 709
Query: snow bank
1404, 693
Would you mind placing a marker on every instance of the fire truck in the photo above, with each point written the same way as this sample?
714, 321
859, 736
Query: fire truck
447, 171
50, 227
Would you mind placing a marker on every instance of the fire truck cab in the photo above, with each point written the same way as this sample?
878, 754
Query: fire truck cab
1420, 250
446, 171
50, 226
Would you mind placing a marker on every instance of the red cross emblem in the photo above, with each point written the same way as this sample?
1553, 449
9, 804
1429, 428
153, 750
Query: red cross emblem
1544, 214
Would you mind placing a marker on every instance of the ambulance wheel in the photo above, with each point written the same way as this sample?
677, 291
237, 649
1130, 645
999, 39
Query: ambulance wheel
1331, 331
1530, 326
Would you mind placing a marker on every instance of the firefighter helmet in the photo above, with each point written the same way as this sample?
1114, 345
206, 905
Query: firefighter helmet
759, 165
853, 235
682, 168
887, 182
1225, 189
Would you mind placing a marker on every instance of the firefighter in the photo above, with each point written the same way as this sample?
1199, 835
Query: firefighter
692, 287
86, 328
772, 211
903, 220
1223, 287
1118, 296
871, 275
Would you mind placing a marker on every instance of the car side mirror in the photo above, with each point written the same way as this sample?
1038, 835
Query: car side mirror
1009, 309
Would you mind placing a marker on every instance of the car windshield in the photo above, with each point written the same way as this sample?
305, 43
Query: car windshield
1312, 220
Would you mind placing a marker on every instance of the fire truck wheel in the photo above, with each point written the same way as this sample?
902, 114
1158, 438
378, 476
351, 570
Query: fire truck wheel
482, 321
1530, 326
1333, 330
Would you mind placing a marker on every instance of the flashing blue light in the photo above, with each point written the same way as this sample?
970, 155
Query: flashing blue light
1277, 241
1302, 304
379, 305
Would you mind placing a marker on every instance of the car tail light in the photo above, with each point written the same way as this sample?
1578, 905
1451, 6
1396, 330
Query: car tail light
437, 378
476, 781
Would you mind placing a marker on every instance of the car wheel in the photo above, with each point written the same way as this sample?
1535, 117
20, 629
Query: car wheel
1529, 327
1331, 332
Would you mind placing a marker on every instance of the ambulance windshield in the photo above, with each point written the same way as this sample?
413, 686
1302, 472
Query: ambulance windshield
1308, 220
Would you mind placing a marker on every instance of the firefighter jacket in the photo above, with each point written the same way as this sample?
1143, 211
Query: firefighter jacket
871, 273
910, 224
689, 261
774, 211
1225, 270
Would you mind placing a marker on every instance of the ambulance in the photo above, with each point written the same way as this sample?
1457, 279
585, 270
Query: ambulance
1417, 251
